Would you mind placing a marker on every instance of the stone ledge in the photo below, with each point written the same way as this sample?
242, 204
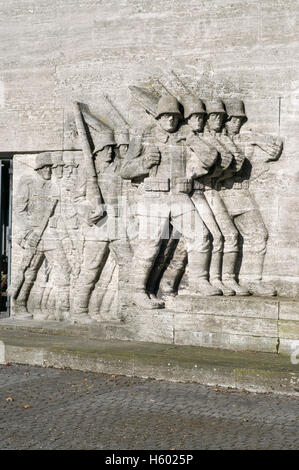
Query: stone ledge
261, 372
237, 306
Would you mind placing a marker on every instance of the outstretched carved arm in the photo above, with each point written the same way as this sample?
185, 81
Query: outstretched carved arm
271, 146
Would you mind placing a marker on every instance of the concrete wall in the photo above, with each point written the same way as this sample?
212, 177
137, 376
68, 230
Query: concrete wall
54, 52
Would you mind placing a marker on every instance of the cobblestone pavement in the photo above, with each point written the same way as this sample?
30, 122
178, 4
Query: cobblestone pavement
76, 410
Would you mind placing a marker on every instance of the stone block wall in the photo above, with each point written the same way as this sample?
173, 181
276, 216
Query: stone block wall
53, 53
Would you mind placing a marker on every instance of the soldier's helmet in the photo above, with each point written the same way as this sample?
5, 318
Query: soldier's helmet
236, 108
69, 159
57, 159
42, 159
122, 136
103, 139
168, 105
193, 105
215, 106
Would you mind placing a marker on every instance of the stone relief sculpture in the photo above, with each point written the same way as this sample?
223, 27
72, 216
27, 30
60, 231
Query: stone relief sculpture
39, 236
116, 224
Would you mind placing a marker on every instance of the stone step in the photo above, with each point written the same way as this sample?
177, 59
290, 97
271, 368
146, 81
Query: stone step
261, 372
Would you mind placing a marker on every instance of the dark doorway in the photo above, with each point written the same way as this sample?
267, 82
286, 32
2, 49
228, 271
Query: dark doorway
5, 230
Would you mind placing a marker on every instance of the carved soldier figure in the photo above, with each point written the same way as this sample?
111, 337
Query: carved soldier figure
35, 207
102, 229
202, 156
210, 158
239, 202
68, 217
231, 159
93, 232
206, 161
163, 198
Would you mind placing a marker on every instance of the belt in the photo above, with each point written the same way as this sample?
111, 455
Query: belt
203, 186
235, 185
177, 184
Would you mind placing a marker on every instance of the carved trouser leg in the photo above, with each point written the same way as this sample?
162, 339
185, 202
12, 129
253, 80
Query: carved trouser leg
151, 232
255, 235
205, 212
61, 272
94, 257
122, 254
249, 222
196, 235
29, 278
175, 269
98, 302
230, 243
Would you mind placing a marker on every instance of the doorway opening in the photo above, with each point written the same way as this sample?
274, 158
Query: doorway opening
6, 166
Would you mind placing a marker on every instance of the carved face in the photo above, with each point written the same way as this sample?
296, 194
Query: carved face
215, 121
169, 121
68, 170
106, 154
234, 124
123, 148
196, 121
103, 157
45, 172
58, 171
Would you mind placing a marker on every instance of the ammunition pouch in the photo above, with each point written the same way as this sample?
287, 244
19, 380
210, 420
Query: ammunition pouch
182, 185
156, 184
177, 184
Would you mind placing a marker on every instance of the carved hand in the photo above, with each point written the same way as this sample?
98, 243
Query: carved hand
95, 215
275, 149
33, 240
151, 157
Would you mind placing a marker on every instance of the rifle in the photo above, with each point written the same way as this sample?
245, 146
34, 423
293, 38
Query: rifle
29, 254
93, 192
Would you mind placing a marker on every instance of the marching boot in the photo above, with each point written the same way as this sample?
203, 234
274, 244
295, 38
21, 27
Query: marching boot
229, 276
215, 275
253, 280
167, 284
20, 303
141, 270
175, 270
261, 289
198, 275
80, 314
171, 278
63, 304
21, 312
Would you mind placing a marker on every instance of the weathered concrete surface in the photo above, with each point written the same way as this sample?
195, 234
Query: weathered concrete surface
252, 371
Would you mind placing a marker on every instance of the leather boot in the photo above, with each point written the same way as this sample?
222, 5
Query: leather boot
253, 278
215, 274
63, 304
261, 288
229, 276
198, 274
20, 304
80, 313
172, 276
141, 270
